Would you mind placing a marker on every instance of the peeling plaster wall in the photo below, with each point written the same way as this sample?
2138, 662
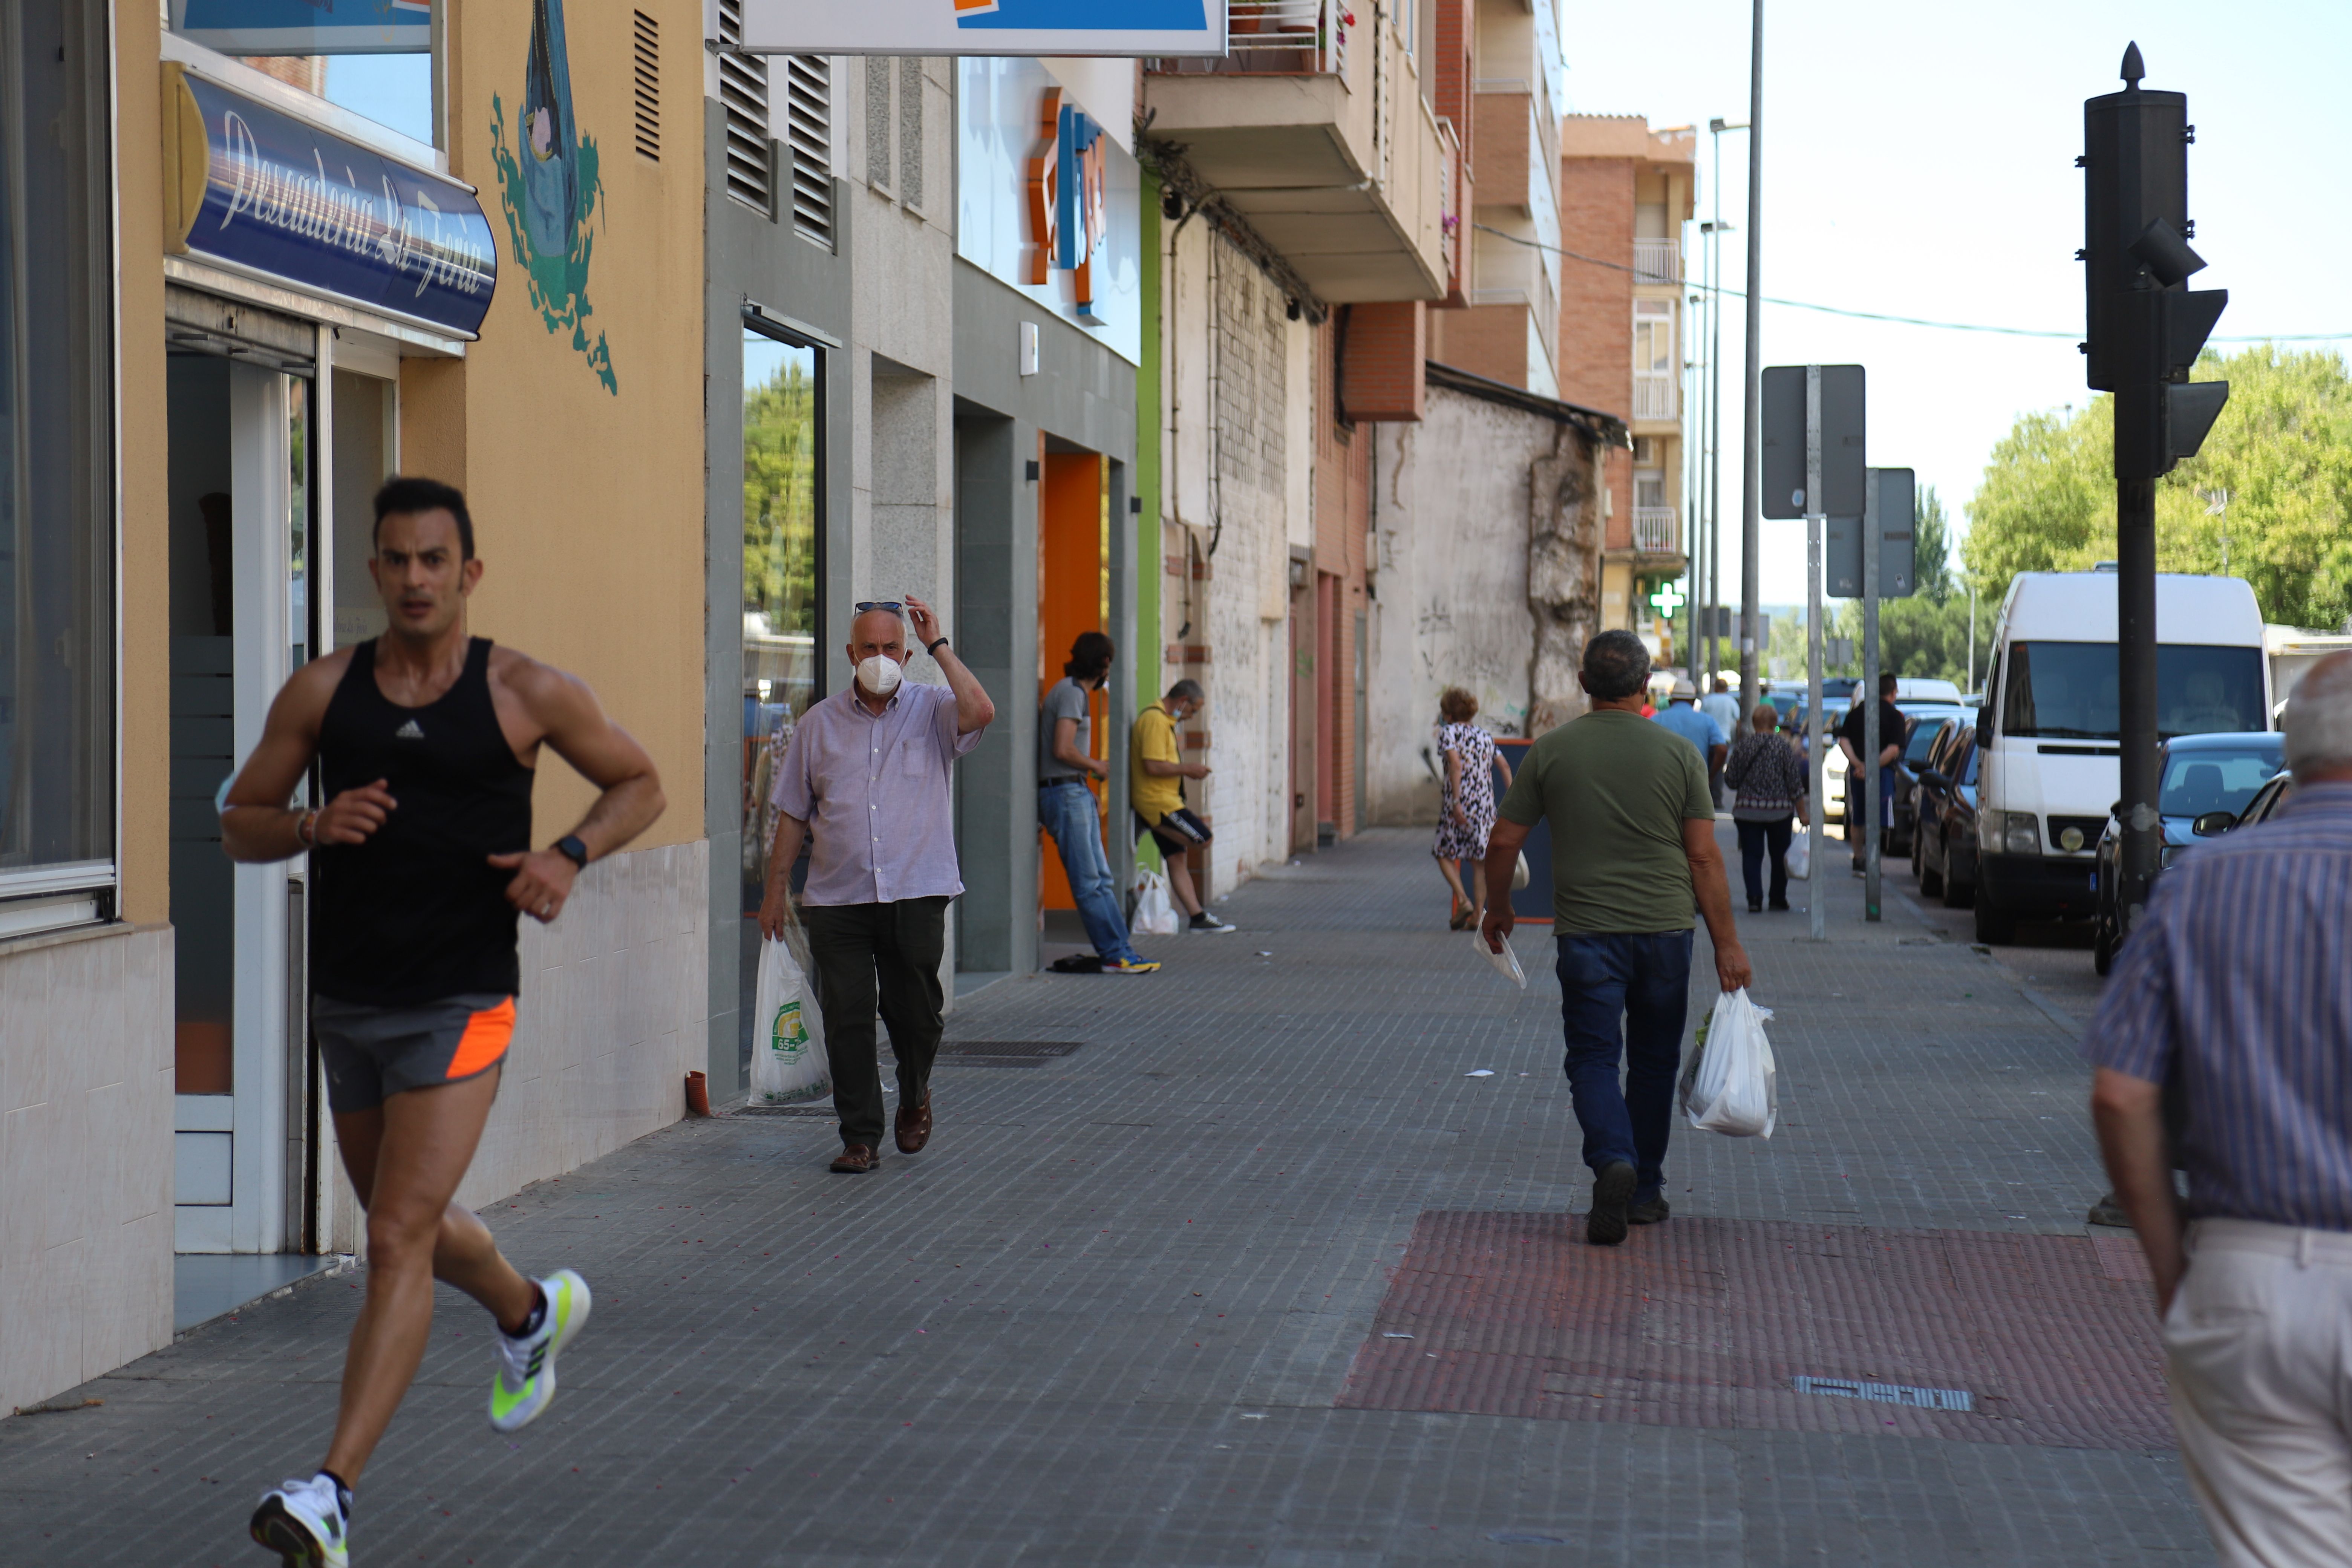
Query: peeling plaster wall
1487, 573
1238, 474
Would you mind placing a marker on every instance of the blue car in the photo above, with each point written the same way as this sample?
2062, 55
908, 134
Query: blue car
2205, 784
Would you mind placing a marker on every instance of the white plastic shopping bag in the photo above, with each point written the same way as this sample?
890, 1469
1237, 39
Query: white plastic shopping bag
1155, 911
1506, 963
1800, 856
788, 1059
1728, 1087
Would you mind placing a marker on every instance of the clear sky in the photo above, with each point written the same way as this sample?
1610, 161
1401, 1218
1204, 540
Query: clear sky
1918, 160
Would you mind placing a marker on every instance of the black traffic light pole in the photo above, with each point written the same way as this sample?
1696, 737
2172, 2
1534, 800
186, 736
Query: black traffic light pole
2145, 332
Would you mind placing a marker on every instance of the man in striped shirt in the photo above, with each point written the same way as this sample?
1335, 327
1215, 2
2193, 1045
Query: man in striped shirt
2239, 979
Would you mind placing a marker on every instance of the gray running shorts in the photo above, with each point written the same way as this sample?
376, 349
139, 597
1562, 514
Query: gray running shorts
370, 1053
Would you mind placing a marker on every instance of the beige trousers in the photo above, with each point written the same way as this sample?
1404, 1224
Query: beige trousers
2258, 1350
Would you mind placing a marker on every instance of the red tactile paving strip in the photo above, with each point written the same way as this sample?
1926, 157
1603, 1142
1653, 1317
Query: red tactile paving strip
1701, 1322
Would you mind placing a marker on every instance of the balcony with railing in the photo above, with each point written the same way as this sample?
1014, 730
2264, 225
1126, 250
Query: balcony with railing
1313, 129
1275, 37
1657, 531
1656, 395
1657, 261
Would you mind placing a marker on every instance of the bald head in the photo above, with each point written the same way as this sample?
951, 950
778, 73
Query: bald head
2319, 722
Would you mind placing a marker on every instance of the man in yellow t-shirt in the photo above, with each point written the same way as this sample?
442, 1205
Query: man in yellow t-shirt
1156, 788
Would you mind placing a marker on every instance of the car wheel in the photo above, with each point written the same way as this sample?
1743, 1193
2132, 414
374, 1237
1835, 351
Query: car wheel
1931, 880
1995, 928
2102, 952
1957, 895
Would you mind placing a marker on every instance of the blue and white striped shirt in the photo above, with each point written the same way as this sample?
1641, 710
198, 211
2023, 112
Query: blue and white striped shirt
2240, 972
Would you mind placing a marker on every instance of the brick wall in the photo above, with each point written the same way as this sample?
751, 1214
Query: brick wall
1485, 340
1596, 303
1381, 350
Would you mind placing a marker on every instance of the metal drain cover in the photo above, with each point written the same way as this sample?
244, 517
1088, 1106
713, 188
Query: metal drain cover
1888, 1393
1005, 1053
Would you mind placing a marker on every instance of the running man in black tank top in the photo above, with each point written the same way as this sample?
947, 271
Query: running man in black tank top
427, 740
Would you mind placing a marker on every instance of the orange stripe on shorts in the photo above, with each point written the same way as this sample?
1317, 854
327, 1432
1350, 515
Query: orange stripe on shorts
484, 1040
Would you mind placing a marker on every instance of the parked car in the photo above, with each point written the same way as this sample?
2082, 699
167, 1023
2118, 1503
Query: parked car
2049, 727
2205, 785
1929, 723
1943, 847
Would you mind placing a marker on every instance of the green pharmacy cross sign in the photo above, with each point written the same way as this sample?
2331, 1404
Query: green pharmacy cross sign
1667, 600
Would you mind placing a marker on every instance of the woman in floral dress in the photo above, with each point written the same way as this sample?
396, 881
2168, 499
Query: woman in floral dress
1467, 813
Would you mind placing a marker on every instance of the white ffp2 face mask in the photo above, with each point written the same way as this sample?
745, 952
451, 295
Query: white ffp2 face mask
879, 675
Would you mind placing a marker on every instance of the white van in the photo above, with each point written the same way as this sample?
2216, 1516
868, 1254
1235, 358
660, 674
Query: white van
2050, 762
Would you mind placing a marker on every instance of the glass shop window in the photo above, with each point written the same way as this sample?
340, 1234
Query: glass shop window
374, 57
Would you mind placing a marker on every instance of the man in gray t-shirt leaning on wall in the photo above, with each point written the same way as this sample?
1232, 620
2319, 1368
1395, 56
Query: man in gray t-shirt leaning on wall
1065, 806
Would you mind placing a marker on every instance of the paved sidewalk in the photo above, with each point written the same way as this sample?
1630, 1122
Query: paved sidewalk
1134, 1306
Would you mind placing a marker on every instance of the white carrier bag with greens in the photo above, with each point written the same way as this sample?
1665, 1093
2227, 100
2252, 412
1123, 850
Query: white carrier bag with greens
788, 1059
1727, 1084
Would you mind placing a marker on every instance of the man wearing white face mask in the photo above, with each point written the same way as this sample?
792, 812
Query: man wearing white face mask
866, 780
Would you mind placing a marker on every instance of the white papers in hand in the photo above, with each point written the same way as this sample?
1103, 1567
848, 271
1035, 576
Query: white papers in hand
1506, 963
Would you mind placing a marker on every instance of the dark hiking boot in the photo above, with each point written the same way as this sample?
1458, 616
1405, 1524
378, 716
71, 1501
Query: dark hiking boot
1613, 1189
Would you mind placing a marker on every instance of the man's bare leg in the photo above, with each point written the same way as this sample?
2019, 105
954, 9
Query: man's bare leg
1179, 882
407, 1174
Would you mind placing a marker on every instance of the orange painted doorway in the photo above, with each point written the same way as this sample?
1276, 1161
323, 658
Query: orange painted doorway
1073, 596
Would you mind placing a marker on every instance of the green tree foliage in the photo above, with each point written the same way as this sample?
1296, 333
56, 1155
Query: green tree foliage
2282, 451
1931, 540
779, 499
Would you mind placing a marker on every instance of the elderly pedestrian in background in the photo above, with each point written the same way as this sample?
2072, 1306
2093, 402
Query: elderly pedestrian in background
1681, 714
1634, 859
2237, 980
1722, 707
1769, 778
867, 769
1465, 810
1155, 788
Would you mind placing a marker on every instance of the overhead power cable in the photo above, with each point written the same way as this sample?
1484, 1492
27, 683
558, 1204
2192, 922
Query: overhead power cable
1878, 315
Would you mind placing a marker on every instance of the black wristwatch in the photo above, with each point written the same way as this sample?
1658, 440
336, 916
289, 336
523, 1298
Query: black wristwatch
572, 849
933, 648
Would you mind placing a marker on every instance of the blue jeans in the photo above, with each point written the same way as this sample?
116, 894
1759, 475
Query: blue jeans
1644, 979
1067, 810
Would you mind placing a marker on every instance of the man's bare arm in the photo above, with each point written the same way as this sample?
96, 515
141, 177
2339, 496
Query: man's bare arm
1712, 886
1067, 752
574, 726
776, 901
258, 826
2128, 1113
1503, 843
975, 711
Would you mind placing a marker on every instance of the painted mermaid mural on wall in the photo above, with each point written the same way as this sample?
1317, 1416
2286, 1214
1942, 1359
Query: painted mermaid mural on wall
548, 186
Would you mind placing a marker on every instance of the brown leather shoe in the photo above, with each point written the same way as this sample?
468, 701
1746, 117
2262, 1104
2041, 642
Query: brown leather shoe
914, 1127
856, 1160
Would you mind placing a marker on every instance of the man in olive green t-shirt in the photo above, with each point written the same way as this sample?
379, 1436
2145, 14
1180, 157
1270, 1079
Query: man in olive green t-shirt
1633, 862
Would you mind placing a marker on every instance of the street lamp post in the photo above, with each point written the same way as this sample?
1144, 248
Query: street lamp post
1751, 688
1714, 596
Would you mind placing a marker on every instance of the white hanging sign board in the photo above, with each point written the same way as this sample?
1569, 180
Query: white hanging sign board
1121, 27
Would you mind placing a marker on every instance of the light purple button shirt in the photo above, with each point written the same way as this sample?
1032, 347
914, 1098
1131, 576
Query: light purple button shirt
874, 791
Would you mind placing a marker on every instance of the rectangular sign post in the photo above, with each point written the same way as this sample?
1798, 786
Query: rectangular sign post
1815, 465
1127, 29
1873, 742
1817, 798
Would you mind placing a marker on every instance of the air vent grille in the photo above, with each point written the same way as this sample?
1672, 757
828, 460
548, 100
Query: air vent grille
744, 95
648, 85
808, 143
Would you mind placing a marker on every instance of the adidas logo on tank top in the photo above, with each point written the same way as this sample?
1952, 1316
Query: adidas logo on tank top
408, 731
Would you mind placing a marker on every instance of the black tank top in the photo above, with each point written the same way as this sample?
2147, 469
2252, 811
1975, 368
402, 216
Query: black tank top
416, 912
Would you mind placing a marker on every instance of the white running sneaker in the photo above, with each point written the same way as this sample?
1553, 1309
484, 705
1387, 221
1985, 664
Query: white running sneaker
526, 1376
305, 1522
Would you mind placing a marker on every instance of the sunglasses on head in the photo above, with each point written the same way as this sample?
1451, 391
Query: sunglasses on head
879, 605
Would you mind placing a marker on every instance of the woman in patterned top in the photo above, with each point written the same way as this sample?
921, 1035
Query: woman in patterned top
1466, 813
1769, 777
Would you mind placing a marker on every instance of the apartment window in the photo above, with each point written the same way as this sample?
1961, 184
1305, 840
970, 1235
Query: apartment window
808, 141
743, 99
1655, 381
57, 506
374, 59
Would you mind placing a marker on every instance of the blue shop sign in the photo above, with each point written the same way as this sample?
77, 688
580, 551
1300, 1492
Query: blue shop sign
259, 191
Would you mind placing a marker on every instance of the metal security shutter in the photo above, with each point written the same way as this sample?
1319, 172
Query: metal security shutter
808, 141
744, 94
